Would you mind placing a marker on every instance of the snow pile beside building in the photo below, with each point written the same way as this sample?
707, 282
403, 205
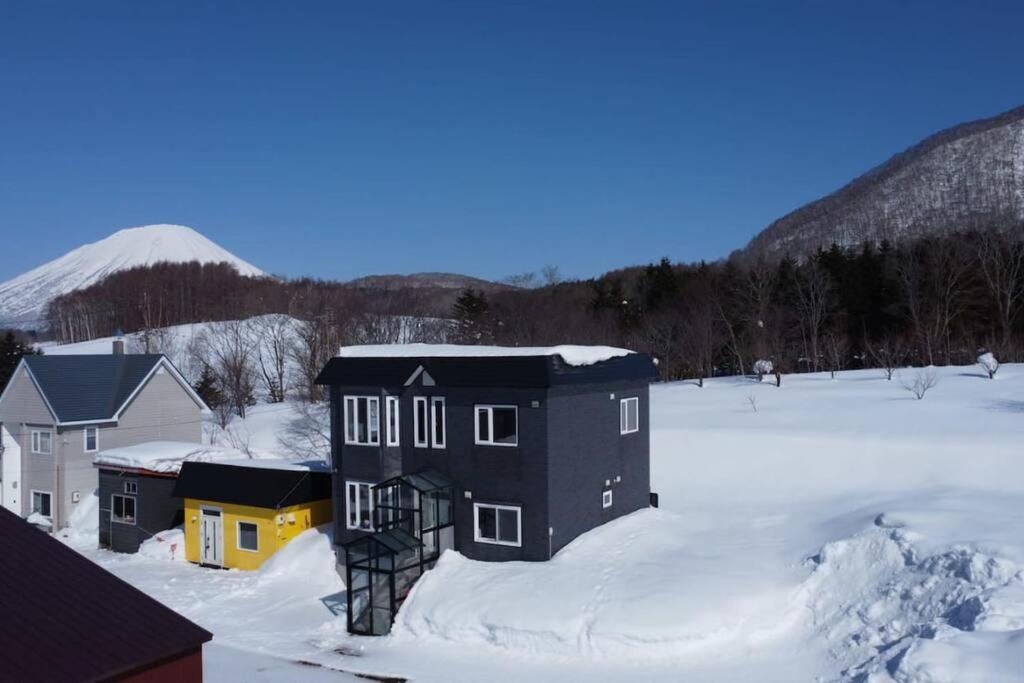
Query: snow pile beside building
165, 456
572, 355
165, 545
308, 560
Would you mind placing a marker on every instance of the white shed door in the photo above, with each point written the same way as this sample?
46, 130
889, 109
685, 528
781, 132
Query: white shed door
10, 495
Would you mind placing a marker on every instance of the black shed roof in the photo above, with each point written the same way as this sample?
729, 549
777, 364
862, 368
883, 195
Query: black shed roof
67, 619
90, 388
257, 486
485, 371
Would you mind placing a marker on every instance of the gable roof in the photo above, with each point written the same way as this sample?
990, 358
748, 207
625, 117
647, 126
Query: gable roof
485, 370
259, 486
72, 620
95, 388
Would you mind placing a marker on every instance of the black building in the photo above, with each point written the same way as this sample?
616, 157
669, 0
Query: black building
136, 504
517, 452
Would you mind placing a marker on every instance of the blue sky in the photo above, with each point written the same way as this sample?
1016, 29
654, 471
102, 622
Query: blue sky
338, 139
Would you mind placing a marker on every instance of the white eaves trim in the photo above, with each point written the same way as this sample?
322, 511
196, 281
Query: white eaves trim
162, 363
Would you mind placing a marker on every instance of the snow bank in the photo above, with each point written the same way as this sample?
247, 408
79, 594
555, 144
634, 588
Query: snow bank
165, 545
40, 521
307, 560
573, 355
165, 456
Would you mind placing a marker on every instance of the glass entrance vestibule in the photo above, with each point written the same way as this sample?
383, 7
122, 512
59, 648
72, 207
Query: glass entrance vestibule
414, 524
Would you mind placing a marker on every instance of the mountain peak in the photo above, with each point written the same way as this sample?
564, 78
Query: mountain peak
967, 176
23, 299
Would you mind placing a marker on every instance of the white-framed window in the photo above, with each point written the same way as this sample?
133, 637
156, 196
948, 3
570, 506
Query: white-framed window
131, 486
420, 421
41, 501
42, 441
497, 524
362, 420
248, 537
359, 505
606, 498
437, 421
391, 420
91, 439
629, 415
122, 509
497, 425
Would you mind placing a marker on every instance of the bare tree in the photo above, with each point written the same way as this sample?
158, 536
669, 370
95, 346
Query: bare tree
309, 433
228, 349
550, 275
1001, 261
813, 290
272, 335
836, 348
316, 341
889, 354
752, 400
923, 380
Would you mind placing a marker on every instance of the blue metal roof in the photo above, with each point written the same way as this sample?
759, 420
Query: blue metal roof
89, 388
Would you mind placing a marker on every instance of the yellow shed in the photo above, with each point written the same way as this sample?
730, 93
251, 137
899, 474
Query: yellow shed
239, 513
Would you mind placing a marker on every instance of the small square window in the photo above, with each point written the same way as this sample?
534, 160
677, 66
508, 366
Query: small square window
606, 498
41, 503
122, 509
42, 442
248, 536
131, 486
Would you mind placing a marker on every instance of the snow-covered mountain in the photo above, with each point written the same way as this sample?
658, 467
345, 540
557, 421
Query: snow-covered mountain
23, 299
969, 176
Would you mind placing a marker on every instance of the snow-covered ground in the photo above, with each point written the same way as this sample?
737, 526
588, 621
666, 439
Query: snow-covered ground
841, 531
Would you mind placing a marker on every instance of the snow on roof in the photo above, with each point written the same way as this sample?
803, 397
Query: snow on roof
164, 456
571, 354
278, 464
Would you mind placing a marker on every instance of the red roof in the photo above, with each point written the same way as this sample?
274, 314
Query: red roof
67, 619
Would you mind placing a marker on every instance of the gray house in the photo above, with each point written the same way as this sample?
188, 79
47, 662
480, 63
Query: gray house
57, 412
501, 454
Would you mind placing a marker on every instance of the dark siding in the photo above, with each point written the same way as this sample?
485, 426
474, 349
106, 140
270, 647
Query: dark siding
568, 446
586, 449
156, 509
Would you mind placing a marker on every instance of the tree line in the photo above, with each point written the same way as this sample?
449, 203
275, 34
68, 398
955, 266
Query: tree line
933, 300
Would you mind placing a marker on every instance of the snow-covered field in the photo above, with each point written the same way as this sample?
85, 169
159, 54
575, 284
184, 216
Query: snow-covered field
841, 531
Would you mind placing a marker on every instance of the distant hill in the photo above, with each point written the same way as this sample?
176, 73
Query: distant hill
421, 280
23, 299
969, 176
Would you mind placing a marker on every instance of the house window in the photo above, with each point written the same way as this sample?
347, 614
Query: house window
360, 505
497, 425
42, 441
419, 404
131, 486
248, 537
437, 421
41, 503
629, 415
391, 404
497, 524
606, 498
362, 420
91, 438
122, 509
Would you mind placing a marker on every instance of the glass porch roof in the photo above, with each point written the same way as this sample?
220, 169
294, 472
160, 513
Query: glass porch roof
426, 481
